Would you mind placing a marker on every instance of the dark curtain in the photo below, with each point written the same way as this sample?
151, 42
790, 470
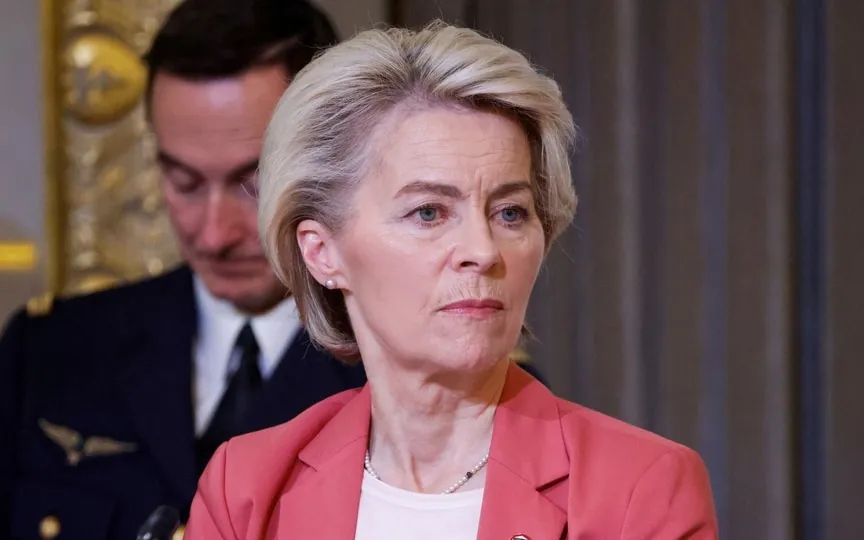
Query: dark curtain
711, 287
837, 150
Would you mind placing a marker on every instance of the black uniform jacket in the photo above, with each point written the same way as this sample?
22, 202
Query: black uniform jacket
96, 414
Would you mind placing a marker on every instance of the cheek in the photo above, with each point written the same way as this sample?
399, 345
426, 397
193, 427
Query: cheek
523, 260
394, 274
250, 211
185, 215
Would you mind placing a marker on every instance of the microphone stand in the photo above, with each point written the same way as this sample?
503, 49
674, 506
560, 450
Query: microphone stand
161, 524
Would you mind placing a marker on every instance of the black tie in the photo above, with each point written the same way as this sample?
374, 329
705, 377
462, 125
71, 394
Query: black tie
242, 388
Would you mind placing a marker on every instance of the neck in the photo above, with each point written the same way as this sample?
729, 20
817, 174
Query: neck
428, 430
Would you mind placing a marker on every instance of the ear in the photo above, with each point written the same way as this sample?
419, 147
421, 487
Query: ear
319, 252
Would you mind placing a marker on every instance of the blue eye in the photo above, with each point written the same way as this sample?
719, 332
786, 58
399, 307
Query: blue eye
427, 213
511, 215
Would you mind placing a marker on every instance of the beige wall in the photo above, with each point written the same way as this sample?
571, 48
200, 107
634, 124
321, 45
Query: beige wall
22, 177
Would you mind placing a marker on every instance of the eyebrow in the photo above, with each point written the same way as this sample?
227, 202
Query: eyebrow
510, 188
452, 192
170, 161
421, 186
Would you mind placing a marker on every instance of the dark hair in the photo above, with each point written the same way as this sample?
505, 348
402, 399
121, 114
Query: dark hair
211, 39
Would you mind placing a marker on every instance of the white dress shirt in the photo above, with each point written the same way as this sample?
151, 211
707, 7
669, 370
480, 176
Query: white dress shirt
215, 357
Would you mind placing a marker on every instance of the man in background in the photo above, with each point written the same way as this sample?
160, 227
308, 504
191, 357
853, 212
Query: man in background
111, 404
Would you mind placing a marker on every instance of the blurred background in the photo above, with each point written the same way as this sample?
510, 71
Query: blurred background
711, 289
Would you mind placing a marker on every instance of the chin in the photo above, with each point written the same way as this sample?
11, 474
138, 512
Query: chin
253, 294
475, 358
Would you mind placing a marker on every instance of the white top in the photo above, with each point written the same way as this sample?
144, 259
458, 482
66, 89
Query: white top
389, 513
215, 357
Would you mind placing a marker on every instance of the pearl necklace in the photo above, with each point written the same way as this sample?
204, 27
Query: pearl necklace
367, 464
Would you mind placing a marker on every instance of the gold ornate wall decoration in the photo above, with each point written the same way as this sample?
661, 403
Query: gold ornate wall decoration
107, 214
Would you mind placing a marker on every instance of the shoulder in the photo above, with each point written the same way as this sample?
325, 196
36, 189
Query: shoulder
247, 474
614, 437
66, 312
297, 431
146, 292
84, 334
255, 456
655, 481
608, 442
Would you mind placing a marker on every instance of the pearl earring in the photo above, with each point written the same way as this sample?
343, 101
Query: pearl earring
330, 284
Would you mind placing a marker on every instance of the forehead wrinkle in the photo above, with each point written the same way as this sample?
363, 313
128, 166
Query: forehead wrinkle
485, 144
470, 177
482, 157
406, 150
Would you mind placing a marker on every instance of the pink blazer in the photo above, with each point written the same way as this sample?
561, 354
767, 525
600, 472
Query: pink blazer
556, 470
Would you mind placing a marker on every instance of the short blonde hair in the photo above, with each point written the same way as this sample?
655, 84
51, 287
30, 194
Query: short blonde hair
317, 147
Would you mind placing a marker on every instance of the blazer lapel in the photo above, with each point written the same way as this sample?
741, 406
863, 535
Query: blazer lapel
527, 457
158, 381
335, 459
512, 508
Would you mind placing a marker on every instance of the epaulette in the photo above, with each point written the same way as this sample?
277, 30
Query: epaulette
520, 356
41, 305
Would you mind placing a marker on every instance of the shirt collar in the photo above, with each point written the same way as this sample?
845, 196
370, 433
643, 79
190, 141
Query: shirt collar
219, 323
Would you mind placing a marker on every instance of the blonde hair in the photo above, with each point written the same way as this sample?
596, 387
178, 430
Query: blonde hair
317, 147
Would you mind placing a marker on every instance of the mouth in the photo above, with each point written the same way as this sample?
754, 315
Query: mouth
238, 266
477, 308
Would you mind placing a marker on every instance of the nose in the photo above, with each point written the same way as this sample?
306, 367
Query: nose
222, 228
476, 249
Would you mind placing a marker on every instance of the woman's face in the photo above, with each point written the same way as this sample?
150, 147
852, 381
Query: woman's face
443, 245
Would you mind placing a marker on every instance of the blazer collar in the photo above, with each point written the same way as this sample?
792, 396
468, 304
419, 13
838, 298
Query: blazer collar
527, 456
336, 456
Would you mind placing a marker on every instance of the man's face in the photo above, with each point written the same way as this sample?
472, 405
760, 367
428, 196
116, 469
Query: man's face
209, 136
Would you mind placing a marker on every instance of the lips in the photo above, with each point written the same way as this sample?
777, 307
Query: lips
479, 307
238, 266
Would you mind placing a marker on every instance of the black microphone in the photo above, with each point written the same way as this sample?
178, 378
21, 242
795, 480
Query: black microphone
160, 525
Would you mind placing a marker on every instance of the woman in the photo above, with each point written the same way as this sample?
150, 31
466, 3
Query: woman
411, 184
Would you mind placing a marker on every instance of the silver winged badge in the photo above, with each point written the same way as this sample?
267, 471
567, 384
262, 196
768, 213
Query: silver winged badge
76, 447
